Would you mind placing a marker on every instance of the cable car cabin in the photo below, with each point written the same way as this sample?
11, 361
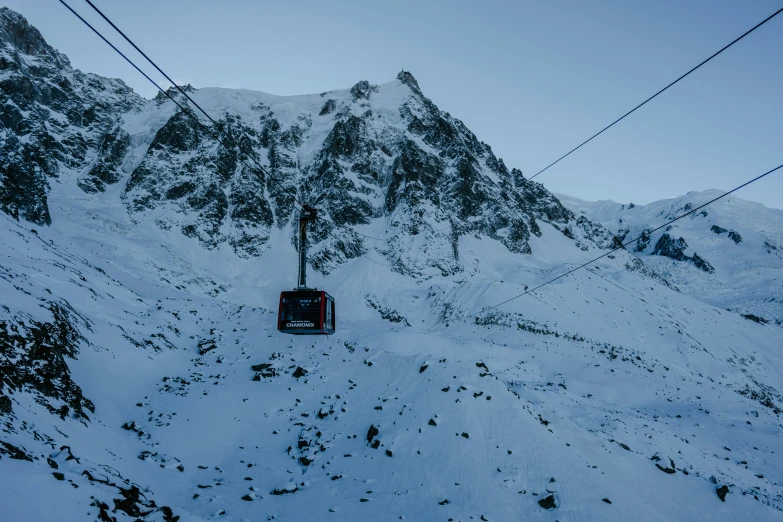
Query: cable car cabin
306, 312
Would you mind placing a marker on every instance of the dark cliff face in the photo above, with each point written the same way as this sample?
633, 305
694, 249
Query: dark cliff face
433, 174
675, 249
33, 358
187, 169
733, 234
53, 120
19, 34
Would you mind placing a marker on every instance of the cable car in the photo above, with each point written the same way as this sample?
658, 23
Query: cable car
303, 310
306, 312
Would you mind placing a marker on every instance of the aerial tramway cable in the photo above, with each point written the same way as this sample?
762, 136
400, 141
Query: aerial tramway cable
184, 93
746, 33
184, 109
329, 310
743, 35
261, 168
623, 245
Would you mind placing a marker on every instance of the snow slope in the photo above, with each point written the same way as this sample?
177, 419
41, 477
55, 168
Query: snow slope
741, 239
548, 387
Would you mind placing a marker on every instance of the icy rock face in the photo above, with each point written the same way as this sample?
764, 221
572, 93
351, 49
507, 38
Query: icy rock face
733, 235
426, 173
371, 152
408, 79
186, 169
54, 120
32, 358
106, 168
675, 248
366, 153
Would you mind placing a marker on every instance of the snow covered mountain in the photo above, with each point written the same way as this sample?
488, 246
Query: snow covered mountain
53, 117
142, 376
357, 154
729, 254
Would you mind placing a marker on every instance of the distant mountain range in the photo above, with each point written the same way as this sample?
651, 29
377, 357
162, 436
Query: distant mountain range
728, 254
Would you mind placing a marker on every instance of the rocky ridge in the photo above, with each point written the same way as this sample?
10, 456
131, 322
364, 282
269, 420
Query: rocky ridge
55, 121
365, 153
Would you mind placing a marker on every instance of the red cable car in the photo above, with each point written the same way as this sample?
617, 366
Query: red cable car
305, 311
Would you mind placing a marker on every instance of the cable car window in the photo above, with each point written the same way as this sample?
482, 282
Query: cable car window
302, 303
301, 312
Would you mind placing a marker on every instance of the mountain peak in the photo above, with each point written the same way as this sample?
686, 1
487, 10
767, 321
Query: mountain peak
17, 31
362, 90
188, 88
407, 78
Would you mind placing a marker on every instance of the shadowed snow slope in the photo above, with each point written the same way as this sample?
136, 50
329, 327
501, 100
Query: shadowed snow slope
142, 376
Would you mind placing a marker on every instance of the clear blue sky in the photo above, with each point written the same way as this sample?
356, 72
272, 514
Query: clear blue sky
531, 78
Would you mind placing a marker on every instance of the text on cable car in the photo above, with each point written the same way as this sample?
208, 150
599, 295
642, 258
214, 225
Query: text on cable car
299, 324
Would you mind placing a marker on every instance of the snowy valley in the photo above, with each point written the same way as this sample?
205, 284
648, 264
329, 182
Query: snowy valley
142, 376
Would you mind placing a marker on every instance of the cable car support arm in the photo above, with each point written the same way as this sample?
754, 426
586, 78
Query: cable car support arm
307, 213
